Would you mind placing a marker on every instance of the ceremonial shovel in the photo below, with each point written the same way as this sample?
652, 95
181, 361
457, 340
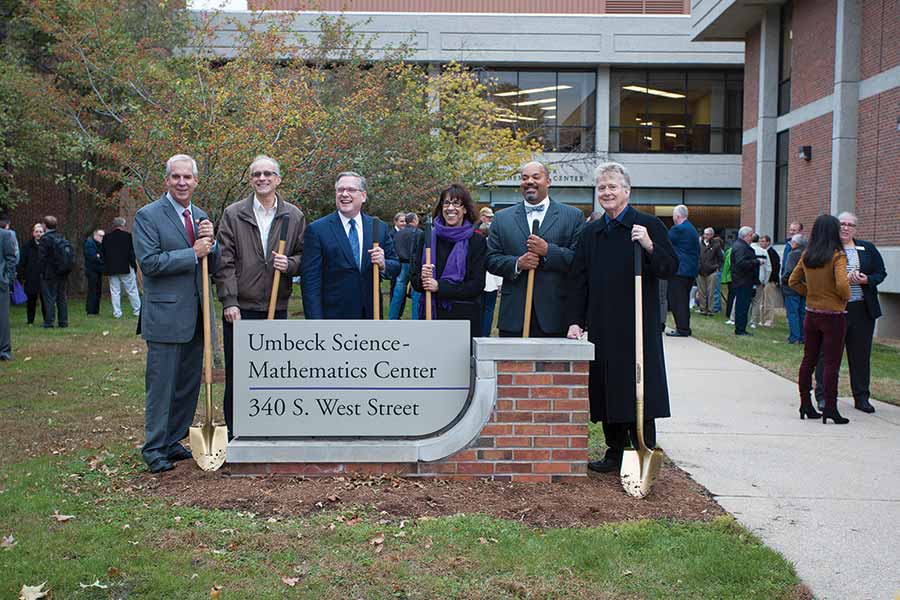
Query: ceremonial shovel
282, 242
640, 466
376, 279
428, 262
529, 291
208, 441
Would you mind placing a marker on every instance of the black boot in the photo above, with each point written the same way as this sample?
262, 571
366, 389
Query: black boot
864, 406
831, 412
612, 461
808, 412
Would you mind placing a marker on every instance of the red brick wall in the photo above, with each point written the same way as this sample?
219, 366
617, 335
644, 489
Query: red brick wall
537, 433
880, 32
878, 169
748, 184
751, 78
813, 71
809, 182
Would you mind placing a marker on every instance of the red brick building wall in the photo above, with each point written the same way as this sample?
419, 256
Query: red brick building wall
878, 169
809, 182
812, 76
751, 78
748, 184
880, 32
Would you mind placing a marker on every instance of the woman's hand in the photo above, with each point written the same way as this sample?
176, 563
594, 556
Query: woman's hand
430, 285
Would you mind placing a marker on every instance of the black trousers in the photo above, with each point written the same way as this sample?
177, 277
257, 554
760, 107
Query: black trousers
858, 343
94, 291
741, 307
53, 291
228, 336
31, 307
679, 297
622, 435
535, 332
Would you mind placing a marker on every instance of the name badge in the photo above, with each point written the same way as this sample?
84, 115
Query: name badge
860, 248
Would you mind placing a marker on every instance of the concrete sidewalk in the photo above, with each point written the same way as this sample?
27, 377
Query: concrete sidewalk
826, 496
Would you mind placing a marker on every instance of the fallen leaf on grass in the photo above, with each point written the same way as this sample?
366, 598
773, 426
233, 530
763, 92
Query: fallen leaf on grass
291, 581
105, 332
8, 542
27, 358
96, 584
61, 518
216, 591
33, 592
113, 572
378, 542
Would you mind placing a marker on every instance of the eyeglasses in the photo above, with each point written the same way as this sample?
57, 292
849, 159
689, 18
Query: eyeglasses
848, 225
452, 202
258, 174
611, 187
350, 190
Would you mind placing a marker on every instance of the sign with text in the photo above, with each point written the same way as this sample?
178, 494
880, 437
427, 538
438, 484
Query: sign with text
349, 378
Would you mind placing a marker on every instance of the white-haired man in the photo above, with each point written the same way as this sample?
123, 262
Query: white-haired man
711, 258
744, 275
118, 252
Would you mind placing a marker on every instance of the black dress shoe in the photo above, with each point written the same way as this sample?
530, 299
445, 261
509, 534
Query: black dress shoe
677, 334
609, 464
161, 465
180, 453
864, 406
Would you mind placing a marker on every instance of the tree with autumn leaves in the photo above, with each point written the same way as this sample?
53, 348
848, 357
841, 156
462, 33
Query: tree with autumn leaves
135, 82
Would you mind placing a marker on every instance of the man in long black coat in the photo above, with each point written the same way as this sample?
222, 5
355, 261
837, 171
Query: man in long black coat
601, 300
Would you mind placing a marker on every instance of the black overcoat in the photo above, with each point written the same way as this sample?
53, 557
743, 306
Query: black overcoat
601, 300
30, 267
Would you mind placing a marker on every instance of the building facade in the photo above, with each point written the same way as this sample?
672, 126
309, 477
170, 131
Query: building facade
592, 80
821, 117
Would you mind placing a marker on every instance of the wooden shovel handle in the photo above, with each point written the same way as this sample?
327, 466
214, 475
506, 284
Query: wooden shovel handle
276, 281
529, 298
427, 293
376, 289
207, 339
639, 346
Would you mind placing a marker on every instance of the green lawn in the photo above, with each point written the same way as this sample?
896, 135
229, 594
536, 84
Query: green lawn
769, 348
72, 406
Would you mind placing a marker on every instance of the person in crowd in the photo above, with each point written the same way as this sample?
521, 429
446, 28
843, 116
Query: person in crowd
56, 257
403, 246
248, 237
725, 280
822, 276
93, 271
399, 223
793, 229
30, 269
171, 237
486, 215
757, 296
865, 272
711, 258
492, 283
770, 285
513, 250
9, 254
744, 275
683, 236
118, 257
717, 292
455, 278
600, 300
338, 256
794, 303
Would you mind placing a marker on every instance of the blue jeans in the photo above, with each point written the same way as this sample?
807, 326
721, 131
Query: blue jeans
400, 292
488, 303
794, 308
717, 297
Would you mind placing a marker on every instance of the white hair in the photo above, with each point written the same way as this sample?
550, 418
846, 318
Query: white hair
745, 231
612, 167
181, 158
681, 210
709, 230
262, 157
118, 222
798, 239
362, 180
846, 214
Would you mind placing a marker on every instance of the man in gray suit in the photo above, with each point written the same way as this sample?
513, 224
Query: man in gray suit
9, 254
513, 250
171, 236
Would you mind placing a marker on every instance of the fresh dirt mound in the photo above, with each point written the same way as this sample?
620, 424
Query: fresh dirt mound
595, 500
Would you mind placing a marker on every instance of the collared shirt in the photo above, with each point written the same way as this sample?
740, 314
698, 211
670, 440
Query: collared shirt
264, 218
357, 221
179, 209
856, 292
618, 220
536, 215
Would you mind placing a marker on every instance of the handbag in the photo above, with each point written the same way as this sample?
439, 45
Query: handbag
18, 293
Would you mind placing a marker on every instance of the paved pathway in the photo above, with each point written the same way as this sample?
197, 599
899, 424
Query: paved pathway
826, 496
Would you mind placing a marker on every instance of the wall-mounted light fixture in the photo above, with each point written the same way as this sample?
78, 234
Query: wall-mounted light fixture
805, 153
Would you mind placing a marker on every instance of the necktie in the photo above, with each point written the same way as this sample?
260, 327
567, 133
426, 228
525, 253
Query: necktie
354, 242
534, 208
188, 226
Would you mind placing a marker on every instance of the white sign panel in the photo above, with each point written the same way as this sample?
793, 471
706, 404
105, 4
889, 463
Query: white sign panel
349, 378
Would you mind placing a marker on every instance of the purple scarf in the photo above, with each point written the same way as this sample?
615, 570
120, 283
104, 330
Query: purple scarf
455, 269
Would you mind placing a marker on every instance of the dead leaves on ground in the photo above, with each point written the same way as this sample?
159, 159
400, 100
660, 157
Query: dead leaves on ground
34, 592
61, 518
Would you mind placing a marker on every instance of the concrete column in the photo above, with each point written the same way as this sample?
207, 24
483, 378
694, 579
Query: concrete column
845, 119
607, 103
766, 126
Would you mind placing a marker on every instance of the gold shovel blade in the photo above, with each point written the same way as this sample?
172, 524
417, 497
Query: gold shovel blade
208, 446
640, 470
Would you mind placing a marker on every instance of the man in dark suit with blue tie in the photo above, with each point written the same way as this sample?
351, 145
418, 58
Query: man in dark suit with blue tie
513, 251
338, 254
171, 237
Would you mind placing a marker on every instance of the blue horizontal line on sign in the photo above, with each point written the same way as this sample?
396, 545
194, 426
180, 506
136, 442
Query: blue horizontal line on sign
256, 389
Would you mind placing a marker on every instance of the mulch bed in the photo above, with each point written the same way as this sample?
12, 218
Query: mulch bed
596, 500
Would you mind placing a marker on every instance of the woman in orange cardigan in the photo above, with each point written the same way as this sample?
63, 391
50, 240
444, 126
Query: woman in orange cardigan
821, 276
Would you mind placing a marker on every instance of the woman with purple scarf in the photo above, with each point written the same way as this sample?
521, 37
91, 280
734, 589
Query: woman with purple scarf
456, 277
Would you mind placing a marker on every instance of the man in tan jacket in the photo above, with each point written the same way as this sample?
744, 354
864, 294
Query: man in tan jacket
248, 236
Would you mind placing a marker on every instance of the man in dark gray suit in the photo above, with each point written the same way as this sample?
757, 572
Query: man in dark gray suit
171, 236
9, 254
513, 250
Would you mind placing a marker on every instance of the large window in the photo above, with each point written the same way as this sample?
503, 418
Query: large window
555, 107
785, 58
676, 111
782, 155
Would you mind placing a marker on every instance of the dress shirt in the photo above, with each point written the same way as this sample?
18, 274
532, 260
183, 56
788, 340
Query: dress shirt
536, 215
264, 218
357, 221
179, 210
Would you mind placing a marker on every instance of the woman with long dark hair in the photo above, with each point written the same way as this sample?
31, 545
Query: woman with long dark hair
821, 276
456, 276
